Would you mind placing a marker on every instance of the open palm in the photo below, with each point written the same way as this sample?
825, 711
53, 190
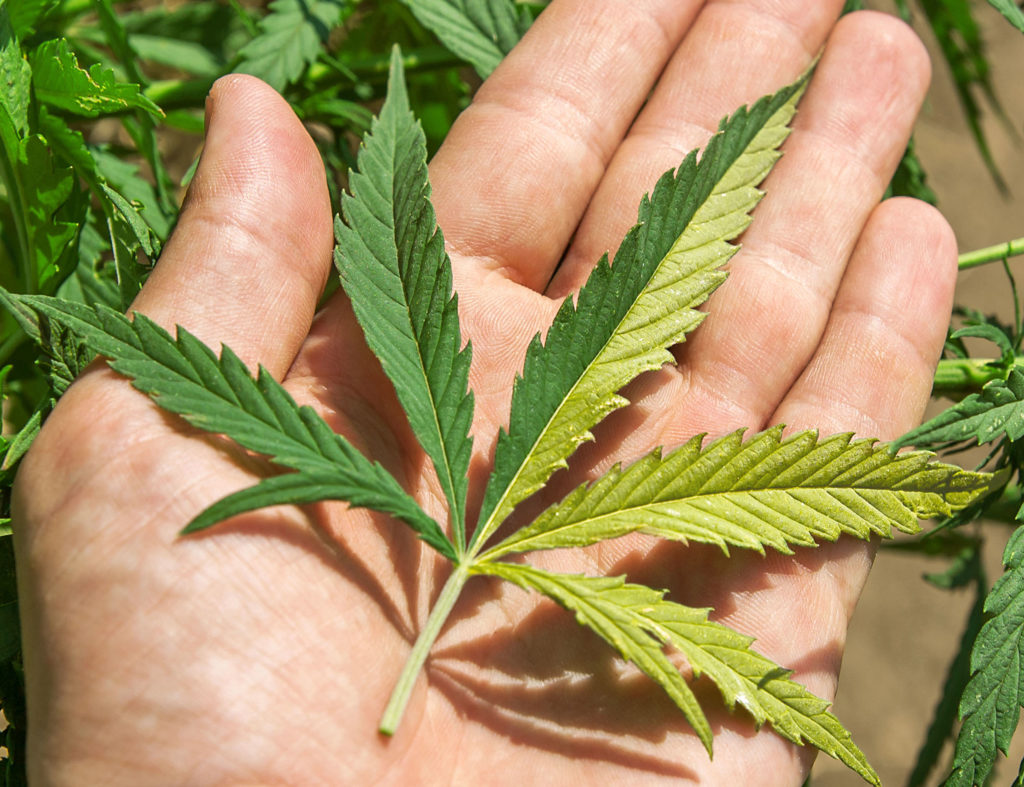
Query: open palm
265, 650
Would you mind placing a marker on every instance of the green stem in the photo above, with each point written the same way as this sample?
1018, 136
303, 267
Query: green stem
75, 8
425, 58
957, 377
421, 648
178, 93
189, 93
997, 253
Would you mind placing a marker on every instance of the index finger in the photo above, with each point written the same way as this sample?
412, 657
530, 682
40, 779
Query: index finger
518, 168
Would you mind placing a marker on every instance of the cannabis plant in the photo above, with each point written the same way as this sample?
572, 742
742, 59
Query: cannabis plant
86, 225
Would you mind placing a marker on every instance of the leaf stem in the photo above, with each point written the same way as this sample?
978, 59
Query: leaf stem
417, 657
997, 253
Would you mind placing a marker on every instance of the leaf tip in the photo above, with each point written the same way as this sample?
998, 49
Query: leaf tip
197, 525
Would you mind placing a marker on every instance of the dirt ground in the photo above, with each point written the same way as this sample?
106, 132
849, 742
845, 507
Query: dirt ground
905, 631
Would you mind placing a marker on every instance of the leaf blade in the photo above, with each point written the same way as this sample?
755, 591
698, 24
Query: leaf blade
991, 703
219, 395
959, 39
743, 676
398, 277
481, 32
288, 489
628, 314
59, 81
621, 613
997, 410
755, 493
47, 191
605, 605
291, 37
1011, 11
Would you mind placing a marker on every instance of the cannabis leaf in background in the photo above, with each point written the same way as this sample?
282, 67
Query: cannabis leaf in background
992, 700
60, 82
985, 678
765, 490
481, 32
82, 220
959, 38
1011, 11
289, 40
997, 411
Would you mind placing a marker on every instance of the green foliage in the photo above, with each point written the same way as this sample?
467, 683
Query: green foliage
60, 83
218, 395
43, 189
627, 618
765, 491
959, 38
481, 32
637, 621
910, 179
290, 38
968, 569
991, 703
82, 221
997, 411
16, 74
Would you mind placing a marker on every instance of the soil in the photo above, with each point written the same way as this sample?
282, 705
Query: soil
906, 631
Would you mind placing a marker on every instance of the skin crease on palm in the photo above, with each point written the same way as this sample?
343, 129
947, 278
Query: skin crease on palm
264, 651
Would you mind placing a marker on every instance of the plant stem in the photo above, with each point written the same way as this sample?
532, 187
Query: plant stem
407, 680
191, 92
179, 93
997, 253
957, 377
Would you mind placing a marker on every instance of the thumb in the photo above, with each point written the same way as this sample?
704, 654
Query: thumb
251, 252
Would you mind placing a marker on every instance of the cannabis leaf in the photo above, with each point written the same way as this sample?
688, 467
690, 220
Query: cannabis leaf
63, 352
26, 14
997, 410
60, 82
290, 39
763, 491
618, 613
637, 621
944, 716
766, 491
481, 32
991, 704
959, 38
16, 75
1011, 11
393, 265
628, 314
219, 395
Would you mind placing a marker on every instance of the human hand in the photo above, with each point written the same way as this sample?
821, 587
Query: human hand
257, 653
